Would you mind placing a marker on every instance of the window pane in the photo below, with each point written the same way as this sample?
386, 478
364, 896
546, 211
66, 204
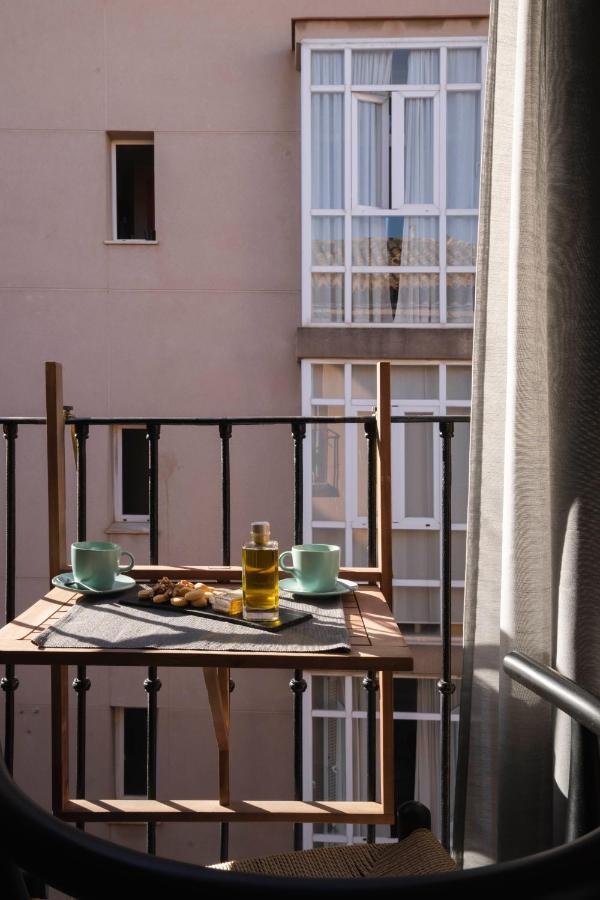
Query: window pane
331, 536
395, 241
364, 382
329, 759
461, 242
328, 382
373, 146
362, 471
458, 385
135, 192
464, 66
395, 67
418, 471
460, 467
134, 750
460, 297
327, 67
327, 297
134, 472
459, 543
360, 547
328, 467
415, 383
417, 604
387, 297
328, 692
416, 554
327, 159
463, 149
327, 241
418, 150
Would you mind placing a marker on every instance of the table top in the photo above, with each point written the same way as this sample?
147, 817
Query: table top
376, 642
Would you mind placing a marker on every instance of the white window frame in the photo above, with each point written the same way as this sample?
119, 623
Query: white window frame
353, 433
398, 95
349, 715
120, 516
116, 142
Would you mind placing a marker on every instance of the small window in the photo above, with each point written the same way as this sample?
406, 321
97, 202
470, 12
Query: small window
133, 190
131, 475
131, 744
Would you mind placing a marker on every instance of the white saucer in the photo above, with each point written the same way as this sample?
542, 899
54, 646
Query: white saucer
341, 587
66, 581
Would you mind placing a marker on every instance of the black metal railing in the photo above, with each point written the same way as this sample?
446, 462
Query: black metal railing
32, 839
298, 424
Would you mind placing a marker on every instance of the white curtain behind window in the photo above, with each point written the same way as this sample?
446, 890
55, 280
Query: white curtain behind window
418, 299
372, 67
327, 157
463, 135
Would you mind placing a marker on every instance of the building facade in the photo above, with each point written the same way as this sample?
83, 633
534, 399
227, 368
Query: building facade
199, 218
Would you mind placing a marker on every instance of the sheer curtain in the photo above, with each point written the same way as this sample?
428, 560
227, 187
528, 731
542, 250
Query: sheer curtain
372, 301
418, 295
533, 566
463, 133
327, 167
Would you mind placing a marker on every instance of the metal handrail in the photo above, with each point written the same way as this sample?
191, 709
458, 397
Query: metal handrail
557, 689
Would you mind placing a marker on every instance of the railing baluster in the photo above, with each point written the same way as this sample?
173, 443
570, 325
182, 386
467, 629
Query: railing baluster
298, 684
225, 431
445, 685
152, 684
370, 685
10, 683
81, 683
370, 426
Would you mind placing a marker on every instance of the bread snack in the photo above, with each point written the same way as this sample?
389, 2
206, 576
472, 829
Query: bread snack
185, 593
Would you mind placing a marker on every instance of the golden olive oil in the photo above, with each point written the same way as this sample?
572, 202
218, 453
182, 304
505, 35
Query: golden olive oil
260, 575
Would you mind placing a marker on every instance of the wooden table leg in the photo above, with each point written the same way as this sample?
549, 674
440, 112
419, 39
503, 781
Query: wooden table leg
386, 740
217, 686
60, 737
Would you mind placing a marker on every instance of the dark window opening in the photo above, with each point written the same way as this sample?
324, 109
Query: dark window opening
135, 743
134, 472
135, 192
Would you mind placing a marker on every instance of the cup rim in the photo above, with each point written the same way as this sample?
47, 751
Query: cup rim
88, 545
315, 548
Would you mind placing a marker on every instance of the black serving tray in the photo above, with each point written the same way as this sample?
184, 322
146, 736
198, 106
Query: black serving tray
286, 619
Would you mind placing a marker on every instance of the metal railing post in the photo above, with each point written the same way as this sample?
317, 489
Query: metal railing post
81, 683
9, 683
445, 685
370, 685
152, 684
298, 683
225, 432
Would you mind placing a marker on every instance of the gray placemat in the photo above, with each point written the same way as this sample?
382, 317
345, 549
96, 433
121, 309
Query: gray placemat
105, 623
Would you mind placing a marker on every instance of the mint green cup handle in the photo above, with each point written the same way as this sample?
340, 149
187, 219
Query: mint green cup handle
127, 568
283, 566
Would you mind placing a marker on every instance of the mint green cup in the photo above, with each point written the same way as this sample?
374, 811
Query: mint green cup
315, 566
95, 564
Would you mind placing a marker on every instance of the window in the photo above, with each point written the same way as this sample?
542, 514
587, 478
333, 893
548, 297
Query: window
130, 751
336, 467
391, 135
133, 190
336, 717
131, 486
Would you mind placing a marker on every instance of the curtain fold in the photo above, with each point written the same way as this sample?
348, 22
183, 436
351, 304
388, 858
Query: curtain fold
533, 566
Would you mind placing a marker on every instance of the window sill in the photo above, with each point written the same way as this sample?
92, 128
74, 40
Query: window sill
128, 243
128, 528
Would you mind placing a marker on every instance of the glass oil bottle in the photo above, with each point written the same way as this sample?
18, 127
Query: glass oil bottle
260, 575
